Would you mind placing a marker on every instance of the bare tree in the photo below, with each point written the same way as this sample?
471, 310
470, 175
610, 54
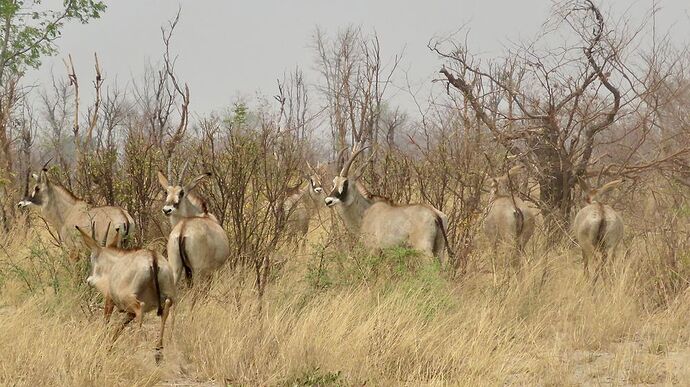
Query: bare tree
355, 83
293, 100
549, 107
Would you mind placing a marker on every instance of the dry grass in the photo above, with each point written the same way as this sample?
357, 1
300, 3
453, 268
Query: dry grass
350, 320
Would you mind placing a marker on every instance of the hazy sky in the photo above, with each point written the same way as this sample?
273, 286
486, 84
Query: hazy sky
230, 48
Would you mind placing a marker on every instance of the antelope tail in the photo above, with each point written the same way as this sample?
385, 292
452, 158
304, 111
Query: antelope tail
184, 258
519, 222
105, 236
124, 231
601, 230
439, 224
156, 283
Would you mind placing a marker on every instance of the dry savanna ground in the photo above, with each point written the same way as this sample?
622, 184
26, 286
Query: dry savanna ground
334, 318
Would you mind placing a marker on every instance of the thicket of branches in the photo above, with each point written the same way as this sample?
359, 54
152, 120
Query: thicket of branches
592, 107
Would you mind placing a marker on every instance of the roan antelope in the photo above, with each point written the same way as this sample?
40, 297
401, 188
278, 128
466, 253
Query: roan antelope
110, 225
301, 205
509, 220
197, 243
598, 228
135, 281
383, 224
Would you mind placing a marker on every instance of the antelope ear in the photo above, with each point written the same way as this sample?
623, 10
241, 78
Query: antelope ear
35, 176
163, 180
192, 184
90, 242
609, 186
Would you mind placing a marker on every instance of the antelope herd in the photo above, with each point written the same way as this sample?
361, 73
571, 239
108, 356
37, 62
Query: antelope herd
139, 280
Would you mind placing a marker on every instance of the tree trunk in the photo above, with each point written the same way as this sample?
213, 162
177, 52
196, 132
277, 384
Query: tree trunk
555, 188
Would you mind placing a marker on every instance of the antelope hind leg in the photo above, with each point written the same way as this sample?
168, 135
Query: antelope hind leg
164, 317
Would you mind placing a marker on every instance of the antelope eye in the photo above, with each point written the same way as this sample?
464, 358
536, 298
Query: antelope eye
181, 194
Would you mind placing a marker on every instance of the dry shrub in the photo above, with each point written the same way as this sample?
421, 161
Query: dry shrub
254, 165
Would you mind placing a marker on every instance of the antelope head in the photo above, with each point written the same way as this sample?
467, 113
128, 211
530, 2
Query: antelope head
344, 183
39, 194
315, 187
501, 186
177, 201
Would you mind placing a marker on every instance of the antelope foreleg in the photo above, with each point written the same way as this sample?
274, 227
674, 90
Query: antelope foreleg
108, 309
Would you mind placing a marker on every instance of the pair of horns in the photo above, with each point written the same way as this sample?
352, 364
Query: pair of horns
312, 169
182, 173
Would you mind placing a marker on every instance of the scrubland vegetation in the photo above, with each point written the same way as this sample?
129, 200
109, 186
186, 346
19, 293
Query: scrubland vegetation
595, 107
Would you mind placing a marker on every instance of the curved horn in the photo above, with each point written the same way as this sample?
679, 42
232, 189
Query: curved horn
170, 179
341, 154
310, 167
105, 236
184, 172
45, 165
348, 164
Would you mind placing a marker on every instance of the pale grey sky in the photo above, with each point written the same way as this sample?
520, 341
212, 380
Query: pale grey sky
230, 48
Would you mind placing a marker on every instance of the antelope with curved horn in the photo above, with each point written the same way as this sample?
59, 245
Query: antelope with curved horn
109, 224
135, 281
301, 205
382, 224
598, 228
509, 219
197, 243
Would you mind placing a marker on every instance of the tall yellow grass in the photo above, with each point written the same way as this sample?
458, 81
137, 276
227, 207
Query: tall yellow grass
377, 322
